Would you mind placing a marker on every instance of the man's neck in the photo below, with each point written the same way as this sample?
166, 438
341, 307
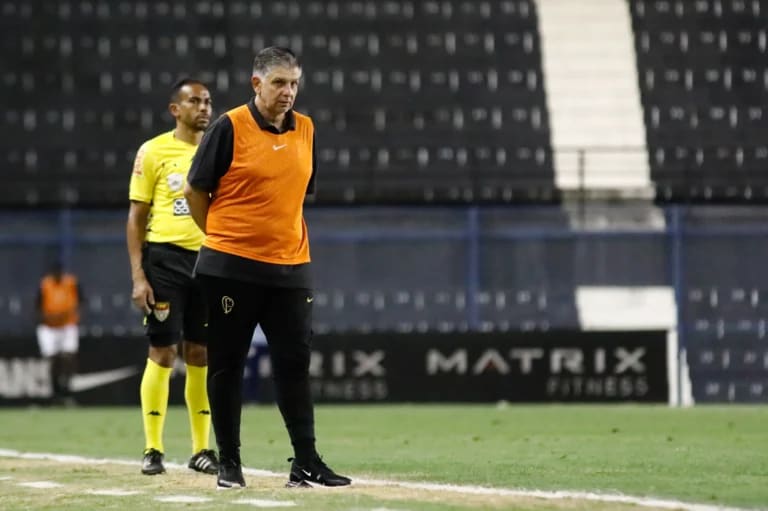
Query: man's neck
275, 120
187, 135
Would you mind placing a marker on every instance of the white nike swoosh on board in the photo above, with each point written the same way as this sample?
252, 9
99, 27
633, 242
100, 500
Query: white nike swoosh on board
276, 147
81, 382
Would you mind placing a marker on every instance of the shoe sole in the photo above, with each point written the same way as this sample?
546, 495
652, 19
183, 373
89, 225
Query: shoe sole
234, 486
312, 484
152, 472
298, 484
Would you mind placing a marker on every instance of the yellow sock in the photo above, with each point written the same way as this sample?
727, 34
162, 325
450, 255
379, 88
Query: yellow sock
154, 403
196, 395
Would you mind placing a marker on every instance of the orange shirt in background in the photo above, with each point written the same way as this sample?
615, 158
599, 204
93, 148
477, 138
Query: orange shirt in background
59, 301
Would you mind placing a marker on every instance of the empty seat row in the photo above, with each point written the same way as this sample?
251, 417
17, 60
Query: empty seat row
87, 192
714, 127
377, 300
424, 326
718, 388
701, 190
657, 10
718, 164
345, 189
338, 188
309, 12
717, 297
97, 84
480, 119
744, 360
695, 44
691, 117
372, 118
731, 328
94, 162
457, 300
85, 122
734, 83
315, 49
110, 329
509, 85
463, 160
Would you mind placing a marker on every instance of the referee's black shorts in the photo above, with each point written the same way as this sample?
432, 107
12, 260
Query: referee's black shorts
179, 311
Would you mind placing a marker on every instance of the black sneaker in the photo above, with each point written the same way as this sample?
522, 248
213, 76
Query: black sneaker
314, 472
153, 462
204, 461
230, 475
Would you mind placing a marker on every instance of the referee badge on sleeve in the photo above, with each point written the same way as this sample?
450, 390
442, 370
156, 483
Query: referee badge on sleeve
161, 310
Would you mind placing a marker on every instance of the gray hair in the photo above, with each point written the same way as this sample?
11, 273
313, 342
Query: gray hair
274, 56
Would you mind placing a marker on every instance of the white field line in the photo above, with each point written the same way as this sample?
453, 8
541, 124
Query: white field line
183, 499
651, 502
113, 492
265, 502
41, 485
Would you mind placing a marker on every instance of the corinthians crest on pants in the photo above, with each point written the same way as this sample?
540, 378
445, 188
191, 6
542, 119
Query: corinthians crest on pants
227, 304
161, 310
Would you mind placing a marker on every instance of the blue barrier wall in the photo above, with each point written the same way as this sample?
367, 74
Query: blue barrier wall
458, 269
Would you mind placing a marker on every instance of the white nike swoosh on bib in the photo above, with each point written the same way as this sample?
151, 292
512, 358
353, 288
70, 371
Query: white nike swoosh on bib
276, 147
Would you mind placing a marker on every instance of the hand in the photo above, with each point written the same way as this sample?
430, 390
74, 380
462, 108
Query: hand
143, 297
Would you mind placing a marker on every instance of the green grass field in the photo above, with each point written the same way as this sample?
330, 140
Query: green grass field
716, 456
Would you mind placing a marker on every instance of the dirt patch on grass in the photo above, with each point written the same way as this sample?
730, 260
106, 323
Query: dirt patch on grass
79, 480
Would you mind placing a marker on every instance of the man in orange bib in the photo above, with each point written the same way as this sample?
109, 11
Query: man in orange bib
246, 190
58, 304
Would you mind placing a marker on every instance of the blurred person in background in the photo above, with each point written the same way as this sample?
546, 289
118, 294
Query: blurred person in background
58, 304
163, 242
246, 190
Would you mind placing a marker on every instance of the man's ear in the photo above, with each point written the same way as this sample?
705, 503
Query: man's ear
174, 109
256, 83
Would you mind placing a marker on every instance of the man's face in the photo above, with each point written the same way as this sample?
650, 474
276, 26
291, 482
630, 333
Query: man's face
193, 108
278, 89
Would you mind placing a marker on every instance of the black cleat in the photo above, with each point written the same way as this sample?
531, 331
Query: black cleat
230, 475
204, 461
153, 462
312, 473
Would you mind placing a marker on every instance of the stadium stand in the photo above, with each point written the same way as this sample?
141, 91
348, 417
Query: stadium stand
725, 305
459, 83
704, 87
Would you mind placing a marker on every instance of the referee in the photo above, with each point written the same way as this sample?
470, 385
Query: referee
163, 241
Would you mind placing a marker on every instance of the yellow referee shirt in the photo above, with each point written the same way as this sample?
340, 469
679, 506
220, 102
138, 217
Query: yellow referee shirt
158, 178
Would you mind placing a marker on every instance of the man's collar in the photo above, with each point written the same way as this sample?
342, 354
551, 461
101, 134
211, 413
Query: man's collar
289, 123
